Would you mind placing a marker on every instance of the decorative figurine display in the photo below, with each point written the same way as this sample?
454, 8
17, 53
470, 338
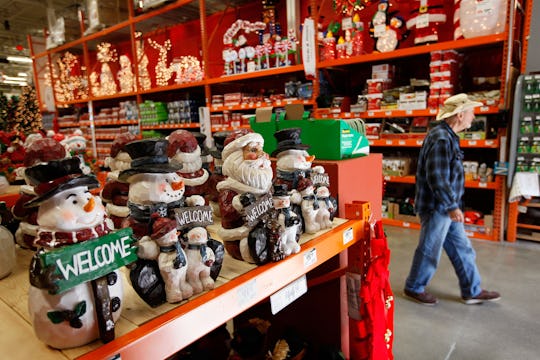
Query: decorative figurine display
125, 75
184, 149
388, 29
200, 259
7, 252
289, 222
75, 145
75, 293
481, 18
244, 194
115, 193
39, 151
164, 246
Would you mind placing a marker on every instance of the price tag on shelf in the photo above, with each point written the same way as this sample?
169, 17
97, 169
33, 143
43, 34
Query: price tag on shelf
408, 112
433, 111
387, 178
490, 142
388, 113
389, 142
278, 102
469, 233
484, 108
310, 257
401, 142
406, 224
288, 102
246, 293
348, 236
347, 114
229, 107
482, 184
371, 142
419, 142
371, 113
472, 142
288, 294
243, 105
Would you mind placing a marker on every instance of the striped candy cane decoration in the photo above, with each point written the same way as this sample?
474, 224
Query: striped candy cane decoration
458, 33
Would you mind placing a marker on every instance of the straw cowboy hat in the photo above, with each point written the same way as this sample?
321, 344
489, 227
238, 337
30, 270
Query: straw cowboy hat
456, 104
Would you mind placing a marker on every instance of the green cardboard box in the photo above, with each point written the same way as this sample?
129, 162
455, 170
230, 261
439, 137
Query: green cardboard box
330, 139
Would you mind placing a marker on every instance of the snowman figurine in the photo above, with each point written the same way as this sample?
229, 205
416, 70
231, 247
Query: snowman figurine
7, 252
69, 214
200, 259
288, 220
155, 190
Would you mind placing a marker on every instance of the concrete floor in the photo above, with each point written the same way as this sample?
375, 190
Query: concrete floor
505, 330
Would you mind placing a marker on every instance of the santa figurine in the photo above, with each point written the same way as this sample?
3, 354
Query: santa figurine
115, 193
40, 150
164, 246
185, 150
217, 172
155, 190
425, 21
68, 214
249, 179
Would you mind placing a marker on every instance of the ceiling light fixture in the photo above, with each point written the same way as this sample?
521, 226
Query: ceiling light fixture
22, 74
21, 59
12, 82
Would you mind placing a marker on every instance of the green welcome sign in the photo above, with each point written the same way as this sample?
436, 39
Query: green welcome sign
89, 260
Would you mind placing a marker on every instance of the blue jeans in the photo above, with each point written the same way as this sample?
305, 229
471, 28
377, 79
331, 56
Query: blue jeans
438, 232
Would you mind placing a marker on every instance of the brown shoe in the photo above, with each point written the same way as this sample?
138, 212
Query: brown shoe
424, 298
483, 296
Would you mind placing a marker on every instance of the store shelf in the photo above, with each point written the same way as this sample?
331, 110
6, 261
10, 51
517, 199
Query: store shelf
170, 126
216, 128
257, 74
155, 333
417, 142
410, 179
253, 106
417, 50
379, 114
416, 226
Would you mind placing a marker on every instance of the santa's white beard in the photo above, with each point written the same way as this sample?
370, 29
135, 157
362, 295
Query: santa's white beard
254, 173
191, 167
120, 163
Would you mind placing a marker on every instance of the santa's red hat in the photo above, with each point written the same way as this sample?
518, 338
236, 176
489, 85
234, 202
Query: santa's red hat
182, 141
120, 141
43, 150
238, 139
162, 226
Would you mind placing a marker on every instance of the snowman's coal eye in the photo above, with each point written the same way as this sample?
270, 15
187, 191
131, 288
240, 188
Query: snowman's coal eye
74, 202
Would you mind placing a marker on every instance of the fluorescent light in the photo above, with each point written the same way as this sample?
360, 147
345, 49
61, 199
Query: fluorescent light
13, 82
14, 78
22, 74
21, 59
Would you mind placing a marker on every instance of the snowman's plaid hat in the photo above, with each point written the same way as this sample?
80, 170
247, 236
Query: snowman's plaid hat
50, 178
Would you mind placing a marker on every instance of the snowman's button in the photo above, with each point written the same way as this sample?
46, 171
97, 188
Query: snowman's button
115, 303
112, 278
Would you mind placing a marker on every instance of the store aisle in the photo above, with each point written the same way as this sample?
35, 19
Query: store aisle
503, 330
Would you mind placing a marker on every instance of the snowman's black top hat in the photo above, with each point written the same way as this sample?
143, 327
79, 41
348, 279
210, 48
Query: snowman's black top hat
148, 156
219, 143
50, 178
288, 139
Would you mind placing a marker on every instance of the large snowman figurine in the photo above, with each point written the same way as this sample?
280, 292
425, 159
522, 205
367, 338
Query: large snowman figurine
69, 214
7, 252
155, 190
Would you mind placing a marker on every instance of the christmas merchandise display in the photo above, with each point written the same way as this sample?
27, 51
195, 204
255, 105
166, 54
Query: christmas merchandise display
425, 20
388, 28
75, 293
217, 172
75, 144
115, 193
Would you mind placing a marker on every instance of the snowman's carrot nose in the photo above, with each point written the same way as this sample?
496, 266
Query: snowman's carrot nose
90, 205
177, 185
310, 158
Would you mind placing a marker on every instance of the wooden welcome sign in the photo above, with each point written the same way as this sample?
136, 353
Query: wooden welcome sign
89, 260
259, 208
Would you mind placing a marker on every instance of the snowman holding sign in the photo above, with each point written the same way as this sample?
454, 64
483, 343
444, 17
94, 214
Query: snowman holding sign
75, 294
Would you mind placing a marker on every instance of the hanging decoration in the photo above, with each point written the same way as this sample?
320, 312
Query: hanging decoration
103, 84
163, 72
142, 63
349, 7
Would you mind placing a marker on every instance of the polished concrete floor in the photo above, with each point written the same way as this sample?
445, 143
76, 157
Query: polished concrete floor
505, 330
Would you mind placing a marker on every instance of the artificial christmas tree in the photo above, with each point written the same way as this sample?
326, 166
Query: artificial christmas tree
28, 116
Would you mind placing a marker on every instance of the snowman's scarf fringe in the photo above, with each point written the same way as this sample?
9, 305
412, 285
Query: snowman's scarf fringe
55, 239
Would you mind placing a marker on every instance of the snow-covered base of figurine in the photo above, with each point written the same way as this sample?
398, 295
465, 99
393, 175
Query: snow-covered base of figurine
75, 330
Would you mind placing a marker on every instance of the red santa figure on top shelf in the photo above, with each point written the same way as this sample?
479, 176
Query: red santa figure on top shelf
426, 18
184, 149
115, 193
249, 179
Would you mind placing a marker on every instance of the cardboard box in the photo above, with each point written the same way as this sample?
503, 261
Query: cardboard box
264, 122
329, 139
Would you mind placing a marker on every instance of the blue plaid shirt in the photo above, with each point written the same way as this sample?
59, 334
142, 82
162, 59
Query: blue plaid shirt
439, 176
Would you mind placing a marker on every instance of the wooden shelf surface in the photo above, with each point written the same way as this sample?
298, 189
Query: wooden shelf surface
144, 332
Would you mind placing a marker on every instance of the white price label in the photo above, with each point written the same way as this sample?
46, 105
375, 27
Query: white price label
246, 293
348, 236
387, 178
389, 142
401, 142
406, 224
482, 184
485, 8
419, 142
310, 257
288, 294
346, 23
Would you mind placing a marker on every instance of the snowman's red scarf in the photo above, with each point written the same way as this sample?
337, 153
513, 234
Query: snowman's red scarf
54, 239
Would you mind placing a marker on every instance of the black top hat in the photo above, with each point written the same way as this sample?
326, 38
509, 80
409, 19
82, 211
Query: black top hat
219, 142
200, 140
280, 190
55, 176
288, 139
148, 156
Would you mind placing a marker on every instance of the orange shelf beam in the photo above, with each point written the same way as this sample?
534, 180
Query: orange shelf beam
489, 143
170, 126
252, 106
257, 74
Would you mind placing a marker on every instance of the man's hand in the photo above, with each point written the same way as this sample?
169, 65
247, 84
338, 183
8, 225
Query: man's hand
456, 215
